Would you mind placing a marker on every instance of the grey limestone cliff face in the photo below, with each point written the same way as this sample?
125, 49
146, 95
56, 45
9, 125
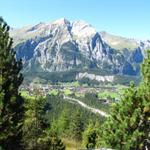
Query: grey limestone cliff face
62, 45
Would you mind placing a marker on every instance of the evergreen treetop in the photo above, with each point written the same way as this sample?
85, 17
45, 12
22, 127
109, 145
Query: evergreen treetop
11, 103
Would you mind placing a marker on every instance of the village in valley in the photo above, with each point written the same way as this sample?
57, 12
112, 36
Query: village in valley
107, 93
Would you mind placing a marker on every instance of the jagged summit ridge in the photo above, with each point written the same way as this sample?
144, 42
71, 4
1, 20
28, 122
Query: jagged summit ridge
82, 29
63, 45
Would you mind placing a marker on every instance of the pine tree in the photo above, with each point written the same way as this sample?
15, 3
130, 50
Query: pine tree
128, 127
64, 123
36, 134
76, 127
55, 142
34, 122
11, 103
144, 93
90, 135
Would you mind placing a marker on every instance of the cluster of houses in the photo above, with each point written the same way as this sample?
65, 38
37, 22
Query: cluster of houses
44, 89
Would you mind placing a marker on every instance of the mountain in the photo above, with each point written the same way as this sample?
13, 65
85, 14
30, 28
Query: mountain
118, 42
121, 43
62, 46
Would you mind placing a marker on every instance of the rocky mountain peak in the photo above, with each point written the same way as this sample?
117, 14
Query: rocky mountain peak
62, 45
82, 29
61, 21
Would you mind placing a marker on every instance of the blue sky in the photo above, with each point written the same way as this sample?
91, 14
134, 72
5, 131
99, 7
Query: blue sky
129, 18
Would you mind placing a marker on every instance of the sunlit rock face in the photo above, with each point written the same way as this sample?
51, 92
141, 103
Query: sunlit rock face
95, 77
62, 45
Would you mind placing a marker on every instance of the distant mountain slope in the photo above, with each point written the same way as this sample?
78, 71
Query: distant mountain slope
118, 42
62, 45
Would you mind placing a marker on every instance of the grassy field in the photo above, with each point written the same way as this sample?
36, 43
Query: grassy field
67, 92
108, 94
71, 144
26, 95
115, 94
54, 92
